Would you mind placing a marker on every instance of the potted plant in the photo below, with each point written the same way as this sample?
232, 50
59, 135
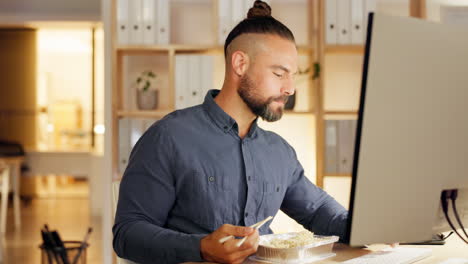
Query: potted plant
147, 94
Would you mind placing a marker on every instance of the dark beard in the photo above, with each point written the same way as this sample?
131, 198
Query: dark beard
248, 94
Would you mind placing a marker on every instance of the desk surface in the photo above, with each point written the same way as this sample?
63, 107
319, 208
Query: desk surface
12, 160
454, 248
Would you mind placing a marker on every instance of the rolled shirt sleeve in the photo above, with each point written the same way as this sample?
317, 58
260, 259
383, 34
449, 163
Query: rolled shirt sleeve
312, 207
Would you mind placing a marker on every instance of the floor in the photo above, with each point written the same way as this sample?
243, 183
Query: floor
69, 215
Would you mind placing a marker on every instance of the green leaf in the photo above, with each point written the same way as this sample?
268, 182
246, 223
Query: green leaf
316, 71
147, 85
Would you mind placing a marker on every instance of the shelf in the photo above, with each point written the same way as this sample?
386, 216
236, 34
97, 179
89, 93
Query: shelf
124, 49
344, 175
331, 113
338, 115
292, 112
128, 49
143, 114
180, 48
196, 48
350, 49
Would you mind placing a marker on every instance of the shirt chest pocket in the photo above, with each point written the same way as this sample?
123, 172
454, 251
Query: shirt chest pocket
209, 199
210, 183
272, 187
273, 195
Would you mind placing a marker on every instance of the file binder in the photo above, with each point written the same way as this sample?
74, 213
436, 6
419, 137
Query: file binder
135, 21
136, 131
344, 22
163, 32
181, 75
206, 76
230, 13
194, 80
346, 138
357, 16
224, 25
331, 152
150, 24
124, 143
331, 33
370, 6
122, 22
237, 12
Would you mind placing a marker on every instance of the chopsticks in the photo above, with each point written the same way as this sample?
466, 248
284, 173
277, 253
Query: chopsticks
259, 224
256, 226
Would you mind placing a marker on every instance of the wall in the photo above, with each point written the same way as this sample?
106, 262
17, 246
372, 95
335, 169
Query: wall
18, 87
33, 10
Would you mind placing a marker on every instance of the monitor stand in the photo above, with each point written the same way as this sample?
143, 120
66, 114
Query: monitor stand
437, 239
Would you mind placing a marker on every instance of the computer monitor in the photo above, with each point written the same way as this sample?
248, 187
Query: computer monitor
412, 135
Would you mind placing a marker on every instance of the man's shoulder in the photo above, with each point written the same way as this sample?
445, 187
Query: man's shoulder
178, 120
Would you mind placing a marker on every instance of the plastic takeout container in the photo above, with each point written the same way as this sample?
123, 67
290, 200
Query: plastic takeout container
321, 248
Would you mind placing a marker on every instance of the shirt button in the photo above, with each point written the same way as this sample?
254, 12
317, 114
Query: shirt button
211, 179
277, 189
250, 178
246, 214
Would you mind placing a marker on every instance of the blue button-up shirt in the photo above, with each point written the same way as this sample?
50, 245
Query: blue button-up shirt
190, 173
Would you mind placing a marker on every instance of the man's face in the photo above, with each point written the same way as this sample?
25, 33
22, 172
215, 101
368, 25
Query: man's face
269, 80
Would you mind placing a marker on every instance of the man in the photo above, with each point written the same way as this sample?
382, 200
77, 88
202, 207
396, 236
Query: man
205, 172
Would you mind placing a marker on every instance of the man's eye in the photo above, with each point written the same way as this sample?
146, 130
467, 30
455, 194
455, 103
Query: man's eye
279, 75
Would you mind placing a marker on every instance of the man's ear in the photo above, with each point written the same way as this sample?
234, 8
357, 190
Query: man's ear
240, 62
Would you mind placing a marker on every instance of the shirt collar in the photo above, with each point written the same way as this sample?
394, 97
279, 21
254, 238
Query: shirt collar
221, 118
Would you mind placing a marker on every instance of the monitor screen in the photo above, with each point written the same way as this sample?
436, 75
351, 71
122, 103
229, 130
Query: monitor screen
411, 140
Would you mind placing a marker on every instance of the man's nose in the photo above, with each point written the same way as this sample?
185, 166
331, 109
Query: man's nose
289, 87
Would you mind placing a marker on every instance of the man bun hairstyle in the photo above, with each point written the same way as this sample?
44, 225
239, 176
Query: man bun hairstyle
260, 21
259, 9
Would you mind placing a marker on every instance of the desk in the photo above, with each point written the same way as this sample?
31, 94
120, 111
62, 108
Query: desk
15, 174
454, 248
58, 162
51, 164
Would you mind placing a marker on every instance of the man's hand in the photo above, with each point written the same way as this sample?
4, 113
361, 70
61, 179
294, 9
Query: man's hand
228, 252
